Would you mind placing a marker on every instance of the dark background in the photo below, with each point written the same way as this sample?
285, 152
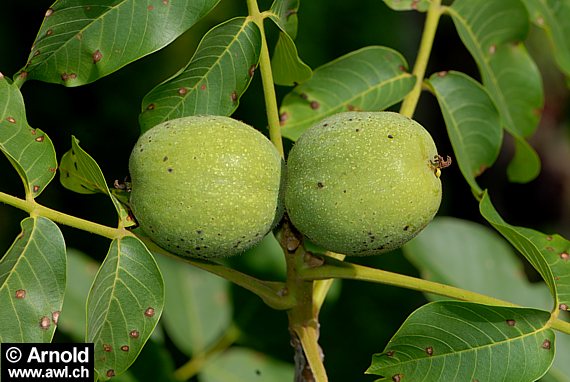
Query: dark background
103, 116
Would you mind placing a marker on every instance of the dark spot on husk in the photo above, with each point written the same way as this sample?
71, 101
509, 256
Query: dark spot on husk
320, 185
390, 136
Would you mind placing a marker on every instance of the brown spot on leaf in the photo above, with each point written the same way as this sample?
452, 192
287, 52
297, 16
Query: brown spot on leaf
304, 96
251, 71
150, 106
283, 117
125, 348
134, 333
149, 312
49, 12
314, 105
49, 32
20, 294
546, 344
182, 91
110, 373
40, 138
563, 307
36, 188
97, 56
107, 348
492, 49
397, 377
23, 75
150, 7
45, 323
203, 87
443, 73
564, 256
549, 238
234, 96
11, 119
390, 353
429, 351
55, 317
165, 2
511, 322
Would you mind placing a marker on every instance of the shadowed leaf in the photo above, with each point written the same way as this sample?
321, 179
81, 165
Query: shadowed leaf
407, 5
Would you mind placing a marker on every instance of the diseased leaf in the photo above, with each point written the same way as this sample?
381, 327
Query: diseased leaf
245, 365
459, 341
30, 151
197, 310
508, 72
472, 120
548, 254
407, 5
553, 16
32, 283
80, 41
124, 305
213, 81
80, 173
369, 79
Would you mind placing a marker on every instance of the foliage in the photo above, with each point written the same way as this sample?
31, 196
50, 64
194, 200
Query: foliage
138, 303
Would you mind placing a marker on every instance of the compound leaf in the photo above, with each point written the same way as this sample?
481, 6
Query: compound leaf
370, 79
32, 283
81, 41
553, 16
124, 305
508, 72
213, 81
460, 341
30, 151
472, 120
197, 309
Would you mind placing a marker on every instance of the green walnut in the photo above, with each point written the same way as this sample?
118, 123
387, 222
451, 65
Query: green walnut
363, 183
205, 186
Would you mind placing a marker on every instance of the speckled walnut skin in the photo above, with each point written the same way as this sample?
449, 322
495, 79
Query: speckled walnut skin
205, 186
362, 183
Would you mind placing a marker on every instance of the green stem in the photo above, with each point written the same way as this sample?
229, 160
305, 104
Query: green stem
271, 108
272, 293
333, 268
194, 365
35, 209
322, 287
432, 19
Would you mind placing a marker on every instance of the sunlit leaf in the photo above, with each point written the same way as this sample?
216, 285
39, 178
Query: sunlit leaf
407, 5
245, 365
30, 151
369, 79
80, 41
553, 16
79, 172
471, 256
548, 254
459, 341
124, 305
32, 283
509, 74
197, 309
472, 120
213, 81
